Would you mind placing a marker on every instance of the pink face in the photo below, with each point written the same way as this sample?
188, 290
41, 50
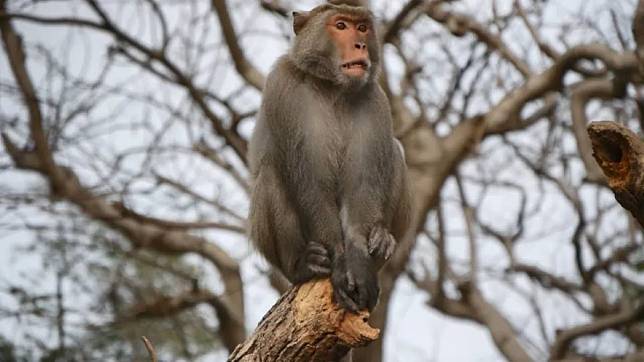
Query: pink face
350, 36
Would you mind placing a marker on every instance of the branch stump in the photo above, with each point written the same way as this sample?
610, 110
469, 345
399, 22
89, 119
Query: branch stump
620, 154
306, 325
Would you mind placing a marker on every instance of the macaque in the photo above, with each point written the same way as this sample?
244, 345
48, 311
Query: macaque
330, 195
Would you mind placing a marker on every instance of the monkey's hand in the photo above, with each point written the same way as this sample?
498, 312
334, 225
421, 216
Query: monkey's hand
315, 263
355, 280
381, 243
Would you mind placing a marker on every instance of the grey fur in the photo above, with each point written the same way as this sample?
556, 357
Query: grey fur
326, 169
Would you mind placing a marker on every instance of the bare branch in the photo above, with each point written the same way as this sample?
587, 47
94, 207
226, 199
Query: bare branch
548, 280
276, 7
459, 24
243, 66
393, 28
65, 184
620, 153
581, 95
176, 225
150, 348
180, 77
551, 80
17, 59
638, 33
504, 335
618, 320
167, 306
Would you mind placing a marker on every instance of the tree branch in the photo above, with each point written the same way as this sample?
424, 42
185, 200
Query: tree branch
306, 325
625, 317
459, 24
234, 140
638, 33
503, 334
243, 66
166, 306
551, 80
620, 154
581, 95
394, 27
150, 348
66, 185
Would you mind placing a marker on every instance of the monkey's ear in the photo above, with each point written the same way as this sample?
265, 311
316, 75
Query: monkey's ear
299, 20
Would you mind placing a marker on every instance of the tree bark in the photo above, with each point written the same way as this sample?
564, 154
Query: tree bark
306, 325
620, 154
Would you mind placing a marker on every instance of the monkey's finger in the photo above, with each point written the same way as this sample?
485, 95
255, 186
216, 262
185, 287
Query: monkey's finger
345, 301
375, 232
351, 282
319, 270
316, 245
372, 246
321, 260
376, 239
372, 233
361, 297
391, 246
389, 252
370, 296
317, 249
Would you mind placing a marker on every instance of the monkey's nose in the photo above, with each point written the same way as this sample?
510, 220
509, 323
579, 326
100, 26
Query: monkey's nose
360, 45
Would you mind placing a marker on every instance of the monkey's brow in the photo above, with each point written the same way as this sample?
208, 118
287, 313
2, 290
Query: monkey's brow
350, 19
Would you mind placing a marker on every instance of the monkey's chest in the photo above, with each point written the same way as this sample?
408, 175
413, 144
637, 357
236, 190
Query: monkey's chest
327, 139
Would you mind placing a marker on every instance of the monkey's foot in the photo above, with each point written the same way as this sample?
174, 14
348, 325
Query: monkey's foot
381, 243
317, 260
355, 281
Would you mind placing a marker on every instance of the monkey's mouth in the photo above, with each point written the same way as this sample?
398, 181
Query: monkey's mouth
355, 68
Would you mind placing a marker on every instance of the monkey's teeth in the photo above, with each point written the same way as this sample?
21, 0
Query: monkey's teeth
354, 65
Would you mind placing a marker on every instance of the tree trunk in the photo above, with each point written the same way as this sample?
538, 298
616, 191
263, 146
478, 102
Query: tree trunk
620, 153
306, 325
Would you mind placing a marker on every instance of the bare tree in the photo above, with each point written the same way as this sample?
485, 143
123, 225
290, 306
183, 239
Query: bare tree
135, 116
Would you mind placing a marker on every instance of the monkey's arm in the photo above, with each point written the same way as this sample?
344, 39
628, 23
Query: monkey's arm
375, 177
366, 214
371, 187
401, 195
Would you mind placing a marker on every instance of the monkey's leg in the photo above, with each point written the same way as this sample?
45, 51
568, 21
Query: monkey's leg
277, 233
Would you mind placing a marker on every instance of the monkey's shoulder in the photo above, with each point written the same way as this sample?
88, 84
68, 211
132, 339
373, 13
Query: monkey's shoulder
282, 94
284, 75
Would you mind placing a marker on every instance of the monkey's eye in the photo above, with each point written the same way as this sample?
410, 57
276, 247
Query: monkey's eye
363, 28
341, 25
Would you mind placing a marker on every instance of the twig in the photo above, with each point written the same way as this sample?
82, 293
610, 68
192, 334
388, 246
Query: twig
150, 348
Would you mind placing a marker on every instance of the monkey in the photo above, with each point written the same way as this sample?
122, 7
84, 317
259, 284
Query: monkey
329, 185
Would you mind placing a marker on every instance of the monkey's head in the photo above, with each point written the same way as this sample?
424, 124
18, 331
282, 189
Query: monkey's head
337, 42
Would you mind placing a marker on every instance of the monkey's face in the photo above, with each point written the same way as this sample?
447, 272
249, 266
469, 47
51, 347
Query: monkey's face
350, 36
338, 44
